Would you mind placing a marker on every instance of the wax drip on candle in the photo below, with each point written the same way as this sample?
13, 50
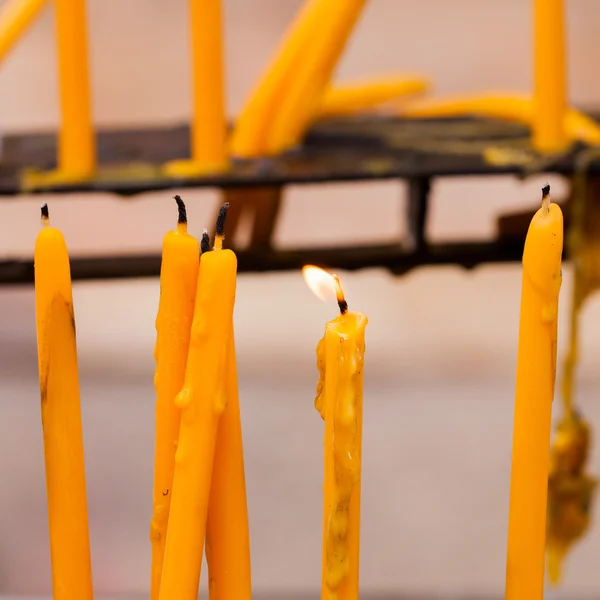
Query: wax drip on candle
45, 214
546, 199
204, 242
339, 295
220, 228
182, 212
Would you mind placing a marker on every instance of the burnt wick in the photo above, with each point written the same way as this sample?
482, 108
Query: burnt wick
182, 217
220, 229
205, 242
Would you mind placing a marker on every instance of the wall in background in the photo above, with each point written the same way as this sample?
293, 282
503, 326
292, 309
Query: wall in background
441, 345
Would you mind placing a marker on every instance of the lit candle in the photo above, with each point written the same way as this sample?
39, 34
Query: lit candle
549, 86
339, 400
178, 281
202, 401
536, 371
227, 535
61, 417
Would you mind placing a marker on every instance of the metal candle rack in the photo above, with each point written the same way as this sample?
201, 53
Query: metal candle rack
345, 149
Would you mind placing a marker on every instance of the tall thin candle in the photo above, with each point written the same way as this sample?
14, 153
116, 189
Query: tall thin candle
202, 401
536, 373
61, 417
339, 400
178, 281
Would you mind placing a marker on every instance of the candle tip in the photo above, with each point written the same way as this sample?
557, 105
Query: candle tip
220, 229
205, 242
546, 191
546, 199
45, 212
323, 285
182, 217
339, 295
343, 305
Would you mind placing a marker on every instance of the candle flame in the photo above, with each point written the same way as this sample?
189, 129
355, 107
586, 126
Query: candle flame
320, 282
324, 286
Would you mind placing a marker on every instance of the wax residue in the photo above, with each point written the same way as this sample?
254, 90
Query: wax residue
346, 458
570, 486
320, 396
570, 491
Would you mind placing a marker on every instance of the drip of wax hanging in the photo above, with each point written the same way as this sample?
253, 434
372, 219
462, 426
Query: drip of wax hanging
570, 487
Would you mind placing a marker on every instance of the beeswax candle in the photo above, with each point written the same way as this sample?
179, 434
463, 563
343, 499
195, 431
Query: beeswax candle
61, 417
202, 401
227, 534
536, 372
178, 281
339, 400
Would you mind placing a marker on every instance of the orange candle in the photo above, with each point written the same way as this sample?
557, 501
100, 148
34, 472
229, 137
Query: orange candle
202, 402
312, 75
61, 417
227, 535
536, 373
76, 140
178, 281
339, 400
248, 137
549, 76
15, 18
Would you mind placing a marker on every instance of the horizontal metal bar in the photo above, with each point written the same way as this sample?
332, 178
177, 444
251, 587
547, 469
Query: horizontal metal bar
390, 257
345, 149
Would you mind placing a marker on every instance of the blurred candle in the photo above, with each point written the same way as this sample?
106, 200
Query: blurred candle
178, 281
15, 17
351, 98
208, 120
248, 137
549, 80
61, 417
312, 74
76, 140
339, 400
536, 372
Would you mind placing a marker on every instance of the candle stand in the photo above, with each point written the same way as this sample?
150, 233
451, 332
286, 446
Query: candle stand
336, 150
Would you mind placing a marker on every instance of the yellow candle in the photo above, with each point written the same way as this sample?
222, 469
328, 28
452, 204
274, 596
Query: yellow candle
340, 360
312, 76
354, 97
511, 107
248, 138
536, 371
202, 401
227, 535
178, 281
61, 418
549, 85
76, 143
208, 117
15, 17
208, 126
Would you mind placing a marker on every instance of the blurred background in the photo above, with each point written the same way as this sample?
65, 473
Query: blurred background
441, 343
